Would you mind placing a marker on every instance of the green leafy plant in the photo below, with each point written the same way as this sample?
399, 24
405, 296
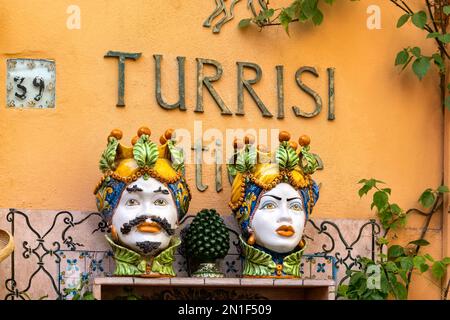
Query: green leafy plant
298, 11
393, 268
434, 21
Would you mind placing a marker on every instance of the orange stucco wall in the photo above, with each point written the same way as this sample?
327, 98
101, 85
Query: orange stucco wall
388, 124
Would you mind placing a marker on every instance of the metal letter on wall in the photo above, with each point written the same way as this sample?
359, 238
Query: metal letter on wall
331, 115
308, 90
202, 80
122, 57
247, 84
181, 104
30, 83
280, 91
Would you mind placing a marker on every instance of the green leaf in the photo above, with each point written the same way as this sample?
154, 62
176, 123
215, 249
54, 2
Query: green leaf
402, 57
424, 267
418, 261
382, 240
163, 263
291, 264
400, 291
268, 13
88, 296
391, 267
244, 23
421, 66
285, 20
257, 262
416, 51
438, 61
447, 10
443, 189
145, 152
445, 38
420, 242
406, 263
438, 269
176, 156
402, 20
317, 17
309, 7
380, 199
428, 257
342, 290
309, 161
419, 19
395, 209
395, 251
446, 260
107, 160
433, 35
427, 198
365, 188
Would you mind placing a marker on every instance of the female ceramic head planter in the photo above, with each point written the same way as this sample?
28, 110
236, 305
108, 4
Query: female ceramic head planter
142, 196
272, 197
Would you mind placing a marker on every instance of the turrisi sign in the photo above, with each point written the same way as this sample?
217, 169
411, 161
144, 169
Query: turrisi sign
206, 81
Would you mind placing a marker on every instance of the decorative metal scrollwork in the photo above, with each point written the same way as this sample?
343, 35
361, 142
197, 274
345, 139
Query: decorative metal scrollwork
228, 14
40, 249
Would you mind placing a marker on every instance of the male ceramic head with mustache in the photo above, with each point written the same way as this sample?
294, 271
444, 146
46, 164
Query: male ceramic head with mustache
273, 195
143, 194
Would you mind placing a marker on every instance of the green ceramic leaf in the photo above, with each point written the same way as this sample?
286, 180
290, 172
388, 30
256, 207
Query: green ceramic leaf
286, 157
176, 156
246, 159
128, 262
291, 264
145, 152
107, 160
163, 263
309, 162
257, 262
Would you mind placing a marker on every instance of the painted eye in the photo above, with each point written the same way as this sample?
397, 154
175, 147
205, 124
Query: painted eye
269, 206
296, 207
132, 203
160, 202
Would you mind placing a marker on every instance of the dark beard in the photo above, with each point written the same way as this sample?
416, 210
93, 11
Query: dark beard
148, 246
126, 227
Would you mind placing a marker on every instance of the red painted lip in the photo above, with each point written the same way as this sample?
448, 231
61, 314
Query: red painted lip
285, 231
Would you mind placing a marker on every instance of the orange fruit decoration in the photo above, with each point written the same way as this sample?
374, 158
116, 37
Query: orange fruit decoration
304, 140
144, 130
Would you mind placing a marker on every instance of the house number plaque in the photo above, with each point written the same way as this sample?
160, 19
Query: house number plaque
30, 83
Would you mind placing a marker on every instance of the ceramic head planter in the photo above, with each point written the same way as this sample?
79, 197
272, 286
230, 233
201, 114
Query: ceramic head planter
272, 197
142, 196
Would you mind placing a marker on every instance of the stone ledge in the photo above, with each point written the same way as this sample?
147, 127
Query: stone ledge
228, 282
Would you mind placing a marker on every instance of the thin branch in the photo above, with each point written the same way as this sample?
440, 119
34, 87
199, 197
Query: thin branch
431, 16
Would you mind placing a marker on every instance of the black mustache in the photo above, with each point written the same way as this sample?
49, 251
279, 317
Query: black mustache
148, 246
127, 226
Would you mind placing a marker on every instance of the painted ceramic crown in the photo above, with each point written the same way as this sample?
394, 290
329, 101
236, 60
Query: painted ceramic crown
122, 165
256, 171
